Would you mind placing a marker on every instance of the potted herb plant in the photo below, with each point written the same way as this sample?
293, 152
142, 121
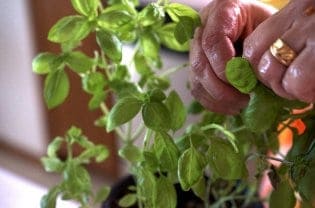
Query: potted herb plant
209, 160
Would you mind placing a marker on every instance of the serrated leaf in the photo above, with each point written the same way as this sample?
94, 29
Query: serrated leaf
190, 168
177, 110
69, 29
86, 7
44, 63
110, 44
123, 111
156, 116
100, 153
79, 62
167, 37
56, 88
184, 29
128, 200
240, 74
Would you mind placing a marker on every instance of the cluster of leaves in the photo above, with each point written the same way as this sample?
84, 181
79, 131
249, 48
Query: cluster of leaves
211, 152
76, 183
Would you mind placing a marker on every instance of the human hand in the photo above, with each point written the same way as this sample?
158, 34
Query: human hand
295, 26
225, 24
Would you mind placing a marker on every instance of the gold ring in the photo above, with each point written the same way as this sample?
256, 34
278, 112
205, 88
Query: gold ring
282, 52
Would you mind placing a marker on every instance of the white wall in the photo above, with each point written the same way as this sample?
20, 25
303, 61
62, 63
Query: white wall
21, 109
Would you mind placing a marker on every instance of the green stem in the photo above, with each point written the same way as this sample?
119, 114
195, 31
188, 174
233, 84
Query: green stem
173, 70
147, 138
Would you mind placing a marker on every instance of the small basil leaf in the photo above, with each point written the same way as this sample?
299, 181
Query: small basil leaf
45, 63
52, 164
262, 110
110, 44
184, 29
130, 152
86, 7
240, 74
190, 168
114, 19
123, 111
156, 116
166, 197
69, 29
176, 10
50, 200
177, 110
150, 45
79, 62
151, 14
54, 146
167, 37
93, 82
56, 88
97, 99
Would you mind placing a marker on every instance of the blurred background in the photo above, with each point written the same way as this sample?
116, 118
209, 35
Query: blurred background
26, 126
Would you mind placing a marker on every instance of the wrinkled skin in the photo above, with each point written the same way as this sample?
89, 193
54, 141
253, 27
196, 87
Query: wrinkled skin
230, 25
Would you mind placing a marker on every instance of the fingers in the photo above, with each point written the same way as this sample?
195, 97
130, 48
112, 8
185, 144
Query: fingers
293, 82
207, 88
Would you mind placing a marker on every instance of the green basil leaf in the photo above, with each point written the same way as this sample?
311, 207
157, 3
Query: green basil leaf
282, 197
110, 44
50, 200
54, 146
142, 67
151, 14
123, 111
128, 200
97, 99
69, 29
76, 179
114, 19
167, 197
156, 95
176, 10
130, 152
200, 188
52, 164
166, 151
190, 168
79, 62
56, 88
156, 116
102, 194
224, 161
150, 161
93, 82
120, 73
167, 37
184, 29
177, 110
44, 63
240, 74
86, 7
149, 43
147, 184
100, 153
262, 110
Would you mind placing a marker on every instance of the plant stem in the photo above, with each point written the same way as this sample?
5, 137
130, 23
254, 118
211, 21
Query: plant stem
173, 70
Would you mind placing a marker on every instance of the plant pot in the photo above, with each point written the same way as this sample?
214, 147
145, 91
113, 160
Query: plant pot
185, 199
